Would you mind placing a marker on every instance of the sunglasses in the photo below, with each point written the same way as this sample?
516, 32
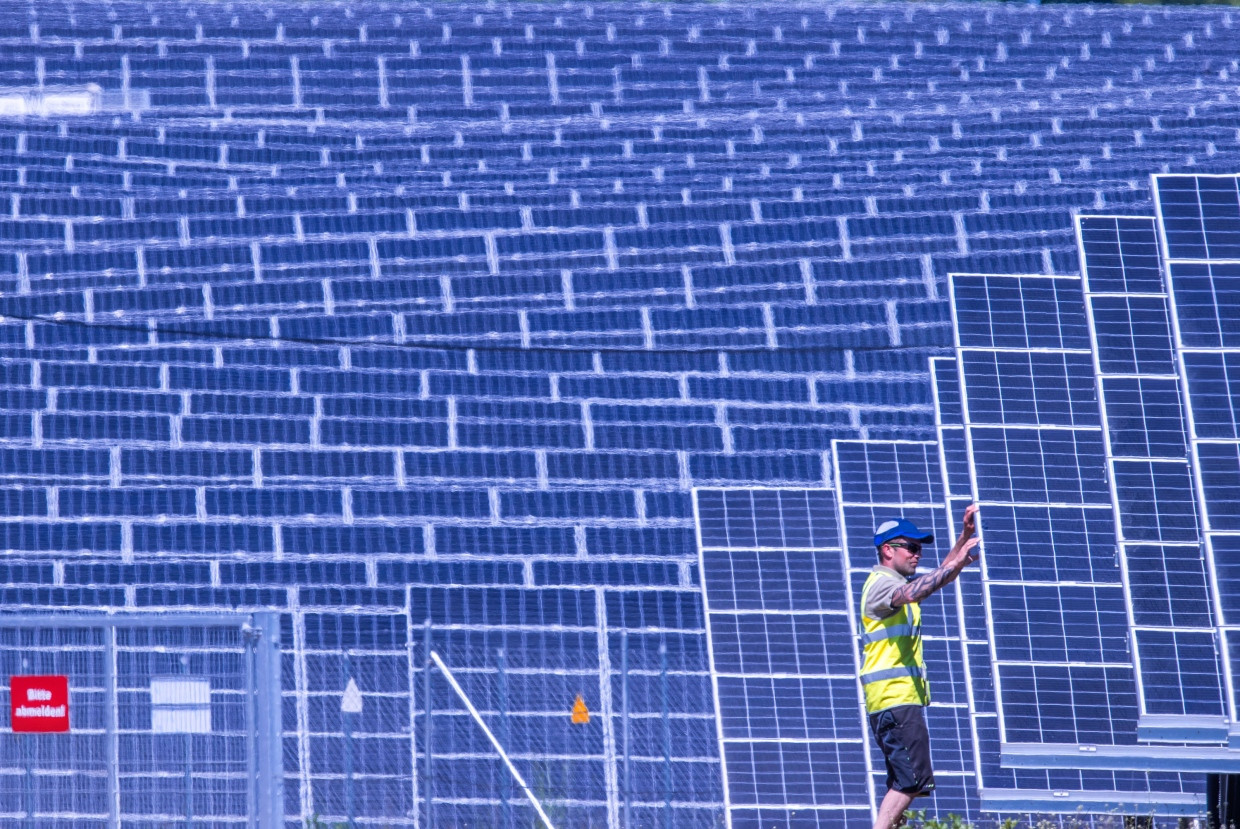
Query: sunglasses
913, 547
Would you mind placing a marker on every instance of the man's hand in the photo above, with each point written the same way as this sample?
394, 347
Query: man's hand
966, 544
962, 555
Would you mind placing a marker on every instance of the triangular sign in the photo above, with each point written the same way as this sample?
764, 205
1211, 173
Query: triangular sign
581, 714
351, 702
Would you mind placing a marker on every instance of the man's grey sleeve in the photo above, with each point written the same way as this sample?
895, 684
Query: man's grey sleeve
878, 599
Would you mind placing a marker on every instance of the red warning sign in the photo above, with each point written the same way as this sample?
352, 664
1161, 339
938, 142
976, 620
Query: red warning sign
39, 704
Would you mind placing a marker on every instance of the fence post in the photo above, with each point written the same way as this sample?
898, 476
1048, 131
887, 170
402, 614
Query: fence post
348, 747
504, 783
28, 783
624, 723
268, 732
27, 751
112, 718
189, 762
427, 747
249, 641
667, 738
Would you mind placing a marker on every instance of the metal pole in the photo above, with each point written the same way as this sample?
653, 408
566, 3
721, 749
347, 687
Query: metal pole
28, 751
624, 723
348, 752
427, 745
189, 764
111, 718
505, 810
249, 640
503, 755
268, 729
667, 739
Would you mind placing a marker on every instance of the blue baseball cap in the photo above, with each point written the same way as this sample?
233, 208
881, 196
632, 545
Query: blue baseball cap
900, 528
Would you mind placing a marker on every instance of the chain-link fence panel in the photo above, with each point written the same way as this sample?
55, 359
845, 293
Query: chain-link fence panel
164, 721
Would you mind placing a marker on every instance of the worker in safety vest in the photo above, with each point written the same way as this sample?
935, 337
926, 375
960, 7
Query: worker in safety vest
893, 673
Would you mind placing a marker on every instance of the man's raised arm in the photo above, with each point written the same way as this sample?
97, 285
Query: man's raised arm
961, 556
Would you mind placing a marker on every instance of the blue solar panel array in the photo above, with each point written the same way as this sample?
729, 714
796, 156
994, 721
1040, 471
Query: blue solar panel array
372, 313
1037, 459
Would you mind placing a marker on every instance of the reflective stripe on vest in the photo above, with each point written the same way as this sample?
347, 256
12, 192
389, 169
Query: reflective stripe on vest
891, 673
888, 632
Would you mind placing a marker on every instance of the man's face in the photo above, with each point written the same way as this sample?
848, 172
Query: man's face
903, 556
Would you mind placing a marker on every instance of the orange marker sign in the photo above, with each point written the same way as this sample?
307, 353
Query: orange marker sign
581, 714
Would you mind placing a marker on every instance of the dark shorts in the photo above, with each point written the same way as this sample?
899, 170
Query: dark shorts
901, 734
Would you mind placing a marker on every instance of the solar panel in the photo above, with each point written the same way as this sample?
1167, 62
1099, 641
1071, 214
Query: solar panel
780, 633
1179, 679
1200, 221
1036, 455
575, 262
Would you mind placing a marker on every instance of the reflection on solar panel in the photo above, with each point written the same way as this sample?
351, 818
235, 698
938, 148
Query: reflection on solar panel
1179, 680
1200, 221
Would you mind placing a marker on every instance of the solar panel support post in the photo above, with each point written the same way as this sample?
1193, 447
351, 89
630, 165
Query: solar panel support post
667, 738
624, 722
1222, 800
427, 746
505, 809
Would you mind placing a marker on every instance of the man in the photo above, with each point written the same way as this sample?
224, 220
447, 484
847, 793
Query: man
893, 673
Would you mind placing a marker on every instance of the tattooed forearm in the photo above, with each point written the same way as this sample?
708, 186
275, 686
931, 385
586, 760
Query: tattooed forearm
925, 585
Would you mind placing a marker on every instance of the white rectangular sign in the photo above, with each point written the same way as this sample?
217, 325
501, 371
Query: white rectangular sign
180, 705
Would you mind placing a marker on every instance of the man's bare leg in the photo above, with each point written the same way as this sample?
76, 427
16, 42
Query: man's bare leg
891, 811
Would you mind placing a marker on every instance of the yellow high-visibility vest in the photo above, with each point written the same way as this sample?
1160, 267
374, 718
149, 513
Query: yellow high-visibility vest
892, 672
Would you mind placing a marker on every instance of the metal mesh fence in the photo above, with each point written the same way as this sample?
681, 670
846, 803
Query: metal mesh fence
556, 700
165, 721
176, 721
